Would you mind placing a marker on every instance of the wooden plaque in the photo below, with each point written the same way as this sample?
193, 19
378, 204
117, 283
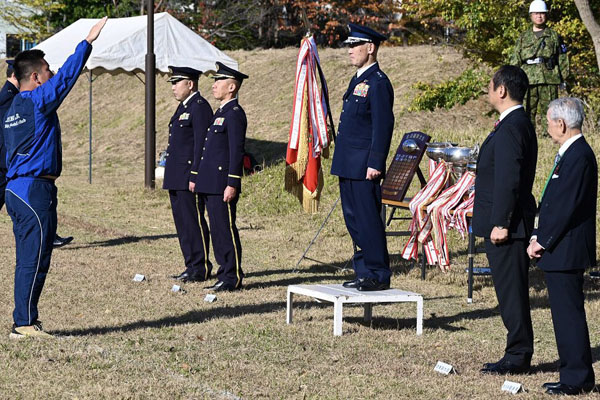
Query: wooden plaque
403, 167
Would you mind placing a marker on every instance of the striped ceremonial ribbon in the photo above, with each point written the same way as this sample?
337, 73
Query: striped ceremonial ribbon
440, 217
437, 180
459, 218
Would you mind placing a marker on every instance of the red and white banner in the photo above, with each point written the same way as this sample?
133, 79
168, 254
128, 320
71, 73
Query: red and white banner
308, 136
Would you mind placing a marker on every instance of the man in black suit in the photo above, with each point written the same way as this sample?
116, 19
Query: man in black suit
564, 243
504, 211
187, 131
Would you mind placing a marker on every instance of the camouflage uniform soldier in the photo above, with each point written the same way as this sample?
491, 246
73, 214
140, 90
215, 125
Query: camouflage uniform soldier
541, 53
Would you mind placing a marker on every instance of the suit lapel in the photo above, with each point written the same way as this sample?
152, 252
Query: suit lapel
497, 129
177, 112
364, 77
351, 86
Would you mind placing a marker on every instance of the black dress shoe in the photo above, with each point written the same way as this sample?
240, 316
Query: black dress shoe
353, 284
562, 388
504, 367
221, 286
371, 285
550, 385
187, 277
61, 241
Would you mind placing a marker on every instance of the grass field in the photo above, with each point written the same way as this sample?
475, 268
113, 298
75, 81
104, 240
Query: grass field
126, 340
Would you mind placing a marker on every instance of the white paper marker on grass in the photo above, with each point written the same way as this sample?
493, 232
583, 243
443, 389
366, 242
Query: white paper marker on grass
210, 298
177, 288
512, 387
444, 368
139, 278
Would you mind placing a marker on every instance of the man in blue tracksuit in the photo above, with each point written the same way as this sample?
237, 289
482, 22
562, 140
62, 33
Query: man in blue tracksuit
7, 94
34, 156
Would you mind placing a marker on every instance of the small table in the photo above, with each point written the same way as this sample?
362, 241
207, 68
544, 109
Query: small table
339, 295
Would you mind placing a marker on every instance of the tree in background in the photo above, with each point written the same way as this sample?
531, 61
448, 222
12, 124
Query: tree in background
487, 30
587, 16
275, 23
30, 16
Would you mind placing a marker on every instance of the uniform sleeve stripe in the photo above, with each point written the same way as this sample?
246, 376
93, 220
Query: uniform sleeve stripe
234, 176
193, 172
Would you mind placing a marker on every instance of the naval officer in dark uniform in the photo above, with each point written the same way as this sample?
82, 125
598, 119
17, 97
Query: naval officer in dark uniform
7, 93
187, 131
220, 177
361, 149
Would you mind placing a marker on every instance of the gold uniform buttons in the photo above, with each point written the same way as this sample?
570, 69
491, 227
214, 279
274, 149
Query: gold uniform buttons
189, 162
202, 158
220, 168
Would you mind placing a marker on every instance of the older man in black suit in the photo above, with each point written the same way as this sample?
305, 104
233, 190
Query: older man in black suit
504, 211
564, 242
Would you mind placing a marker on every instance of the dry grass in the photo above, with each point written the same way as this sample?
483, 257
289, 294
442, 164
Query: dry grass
120, 339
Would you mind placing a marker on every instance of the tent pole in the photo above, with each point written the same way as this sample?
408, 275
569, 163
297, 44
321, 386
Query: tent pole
90, 125
150, 148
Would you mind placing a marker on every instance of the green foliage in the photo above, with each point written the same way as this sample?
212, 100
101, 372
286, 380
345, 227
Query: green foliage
459, 90
31, 17
72, 10
487, 31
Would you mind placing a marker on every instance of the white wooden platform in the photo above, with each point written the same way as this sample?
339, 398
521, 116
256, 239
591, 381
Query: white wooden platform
339, 295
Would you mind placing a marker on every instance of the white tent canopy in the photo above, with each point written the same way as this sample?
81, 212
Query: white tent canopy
122, 45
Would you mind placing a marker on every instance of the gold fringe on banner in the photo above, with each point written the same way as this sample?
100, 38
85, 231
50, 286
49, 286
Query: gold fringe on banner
295, 172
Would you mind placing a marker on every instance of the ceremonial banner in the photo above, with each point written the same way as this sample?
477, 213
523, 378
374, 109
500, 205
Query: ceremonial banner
308, 137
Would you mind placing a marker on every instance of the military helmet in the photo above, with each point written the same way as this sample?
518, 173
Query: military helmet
538, 6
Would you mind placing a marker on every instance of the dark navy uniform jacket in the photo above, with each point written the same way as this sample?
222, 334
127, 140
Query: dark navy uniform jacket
221, 163
187, 131
366, 125
8, 92
567, 219
505, 174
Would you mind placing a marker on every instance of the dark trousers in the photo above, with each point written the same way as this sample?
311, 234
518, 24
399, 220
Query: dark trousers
565, 290
2, 186
510, 265
31, 204
192, 232
225, 238
361, 205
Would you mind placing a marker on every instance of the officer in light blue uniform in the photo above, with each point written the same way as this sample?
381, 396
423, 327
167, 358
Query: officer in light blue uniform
187, 131
219, 179
7, 93
34, 155
361, 149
